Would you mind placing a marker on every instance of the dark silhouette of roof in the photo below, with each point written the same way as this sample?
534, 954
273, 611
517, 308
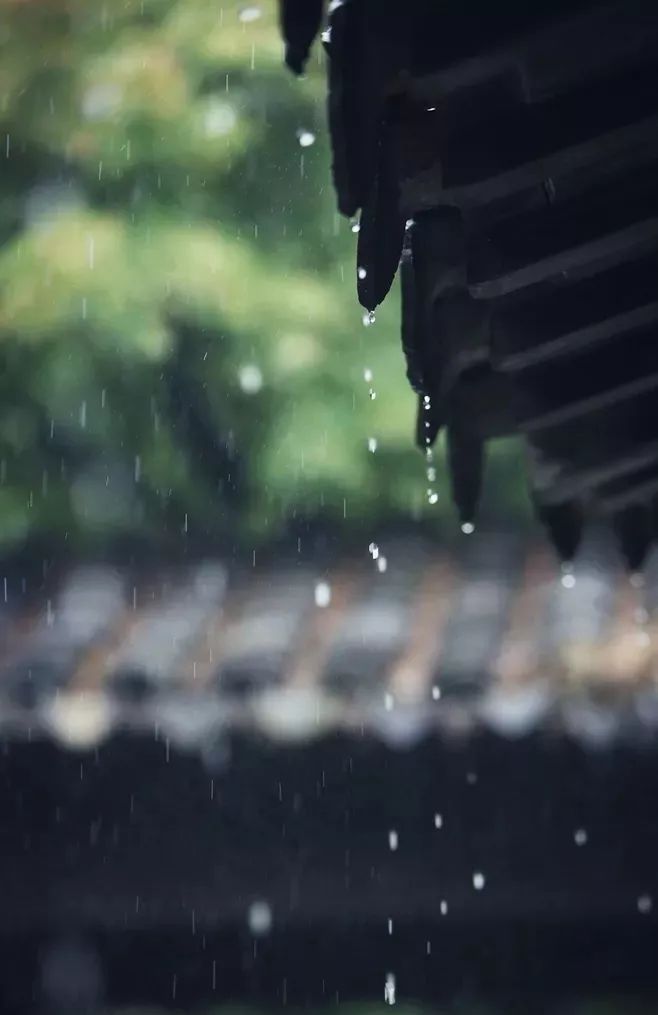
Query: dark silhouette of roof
506, 161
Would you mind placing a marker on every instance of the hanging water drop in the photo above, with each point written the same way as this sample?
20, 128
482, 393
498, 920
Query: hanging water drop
361, 272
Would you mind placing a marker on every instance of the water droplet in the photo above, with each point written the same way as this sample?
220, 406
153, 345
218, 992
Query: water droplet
250, 13
373, 550
438, 821
372, 394
367, 319
361, 272
431, 474
580, 837
372, 444
322, 594
382, 564
432, 497
471, 778
388, 702
645, 904
436, 692
259, 918
250, 378
390, 926
393, 840
568, 581
306, 138
354, 226
389, 989
478, 881
326, 36
367, 375
443, 908
468, 528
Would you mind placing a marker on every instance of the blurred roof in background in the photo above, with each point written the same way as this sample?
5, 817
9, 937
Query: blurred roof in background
403, 639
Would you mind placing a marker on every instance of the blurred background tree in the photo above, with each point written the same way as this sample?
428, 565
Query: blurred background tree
181, 352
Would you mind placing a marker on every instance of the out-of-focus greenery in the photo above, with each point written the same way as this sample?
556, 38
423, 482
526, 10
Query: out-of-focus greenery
180, 345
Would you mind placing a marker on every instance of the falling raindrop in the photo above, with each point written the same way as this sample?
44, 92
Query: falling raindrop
382, 564
390, 926
436, 692
388, 702
322, 594
468, 528
250, 378
306, 138
389, 989
372, 445
373, 550
250, 13
393, 840
580, 837
645, 904
372, 394
568, 581
478, 881
438, 821
259, 918
432, 496
443, 908
367, 375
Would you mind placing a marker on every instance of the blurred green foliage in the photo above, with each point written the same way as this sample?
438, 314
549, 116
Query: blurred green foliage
181, 347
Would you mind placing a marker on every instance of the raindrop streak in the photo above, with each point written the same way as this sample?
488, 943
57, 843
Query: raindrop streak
372, 445
388, 702
322, 594
478, 881
382, 564
436, 693
580, 837
443, 908
390, 926
438, 821
389, 989
393, 840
